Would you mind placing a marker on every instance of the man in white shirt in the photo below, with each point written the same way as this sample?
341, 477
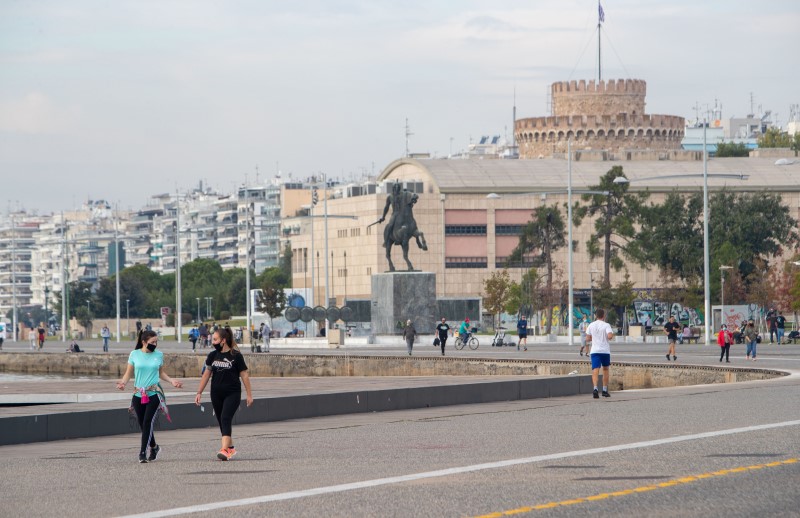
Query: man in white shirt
598, 334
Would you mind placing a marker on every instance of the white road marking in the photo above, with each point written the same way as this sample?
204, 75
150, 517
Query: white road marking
291, 495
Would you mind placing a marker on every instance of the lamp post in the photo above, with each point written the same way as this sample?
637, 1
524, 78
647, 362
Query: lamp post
128, 317
46, 294
198, 310
14, 278
344, 300
591, 292
178, 302
247, 260
116, 272
208, 306
705, 176
722, 291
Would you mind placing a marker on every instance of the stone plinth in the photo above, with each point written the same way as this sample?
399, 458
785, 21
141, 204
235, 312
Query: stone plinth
399, 296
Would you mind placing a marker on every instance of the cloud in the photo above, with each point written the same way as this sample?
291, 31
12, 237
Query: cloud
36, 114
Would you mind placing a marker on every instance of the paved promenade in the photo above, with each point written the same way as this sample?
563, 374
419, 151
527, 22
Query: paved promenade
716, 450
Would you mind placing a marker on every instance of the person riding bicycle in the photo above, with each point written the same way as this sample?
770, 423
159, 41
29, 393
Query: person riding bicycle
463, 330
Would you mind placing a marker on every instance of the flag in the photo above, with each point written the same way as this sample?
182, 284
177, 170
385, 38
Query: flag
600, 14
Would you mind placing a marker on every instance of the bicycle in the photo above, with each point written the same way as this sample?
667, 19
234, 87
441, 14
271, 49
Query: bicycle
471, 341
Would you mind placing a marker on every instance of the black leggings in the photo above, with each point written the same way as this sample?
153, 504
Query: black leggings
726, 351
442, 341
146, 417
225, 405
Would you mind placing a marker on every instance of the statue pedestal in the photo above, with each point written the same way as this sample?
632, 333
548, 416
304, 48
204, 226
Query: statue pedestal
399, 296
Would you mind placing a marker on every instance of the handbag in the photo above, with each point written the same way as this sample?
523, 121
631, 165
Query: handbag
436, 341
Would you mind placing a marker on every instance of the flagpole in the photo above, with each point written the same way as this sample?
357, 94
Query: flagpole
599, 19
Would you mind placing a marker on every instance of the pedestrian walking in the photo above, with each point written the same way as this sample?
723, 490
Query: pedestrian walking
409, 333
671, 330
34, 339
105, 334
203, 335
772, 316
724, 340
647, 327
522, 332
194, 334
41, 334
146, 365
2, 335
598, 335
225, 366
443, 329
582, 329
780, 324
751, 339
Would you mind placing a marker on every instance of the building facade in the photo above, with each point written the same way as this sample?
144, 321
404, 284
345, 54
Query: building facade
471, 213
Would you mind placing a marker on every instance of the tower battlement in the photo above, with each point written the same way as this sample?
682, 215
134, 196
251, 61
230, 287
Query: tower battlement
611, 86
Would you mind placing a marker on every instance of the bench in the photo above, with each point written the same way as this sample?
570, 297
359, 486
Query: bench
694, 337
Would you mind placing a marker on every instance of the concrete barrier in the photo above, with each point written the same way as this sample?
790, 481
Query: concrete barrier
53, 425
626, 375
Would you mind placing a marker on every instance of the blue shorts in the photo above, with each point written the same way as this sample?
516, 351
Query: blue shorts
599, 359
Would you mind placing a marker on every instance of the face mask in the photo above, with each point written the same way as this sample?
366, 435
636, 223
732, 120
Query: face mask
151, 347
218, 347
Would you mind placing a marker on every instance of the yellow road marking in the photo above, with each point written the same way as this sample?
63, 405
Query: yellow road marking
651, 487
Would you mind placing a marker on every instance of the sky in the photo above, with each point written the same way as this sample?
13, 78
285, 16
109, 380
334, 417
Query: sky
120, 100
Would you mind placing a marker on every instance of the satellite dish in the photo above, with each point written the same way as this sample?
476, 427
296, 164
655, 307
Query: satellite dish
292, 314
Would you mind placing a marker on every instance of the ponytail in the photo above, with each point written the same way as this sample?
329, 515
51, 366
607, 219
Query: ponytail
226, 335
143, 337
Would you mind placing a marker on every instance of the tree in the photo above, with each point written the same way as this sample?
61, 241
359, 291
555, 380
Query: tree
525, 297
670, 235
271, 300
749, 228
285, 264
774, 137
614, 227
731, 149
234, 292
84, 318
496, 292
624, 296
543, 235
745, 229
275, 276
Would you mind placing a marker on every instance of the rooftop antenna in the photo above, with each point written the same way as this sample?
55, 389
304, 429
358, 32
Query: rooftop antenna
256, 174
408, 134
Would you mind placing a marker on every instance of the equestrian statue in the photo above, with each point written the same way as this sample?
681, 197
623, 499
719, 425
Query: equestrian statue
402, 226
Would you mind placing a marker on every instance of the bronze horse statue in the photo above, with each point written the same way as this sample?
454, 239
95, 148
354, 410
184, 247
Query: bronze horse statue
402, 225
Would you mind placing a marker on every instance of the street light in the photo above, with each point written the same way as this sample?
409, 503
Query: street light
722, 291
46, 293
706, 261
591, 292
198, 310
128, 317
